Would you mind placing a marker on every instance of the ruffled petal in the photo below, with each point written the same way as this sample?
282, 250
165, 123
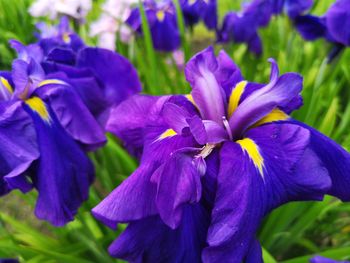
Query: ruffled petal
150, 240
278, 93
245, 194
73, 115
335, 159
63, 173
206, 90
178, 184
18, 147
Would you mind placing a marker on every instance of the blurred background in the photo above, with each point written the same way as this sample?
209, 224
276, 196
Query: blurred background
291, 234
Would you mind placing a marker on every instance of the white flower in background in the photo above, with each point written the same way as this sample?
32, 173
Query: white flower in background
111, 23
77, 9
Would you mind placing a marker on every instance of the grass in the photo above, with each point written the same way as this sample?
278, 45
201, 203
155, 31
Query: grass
291, 234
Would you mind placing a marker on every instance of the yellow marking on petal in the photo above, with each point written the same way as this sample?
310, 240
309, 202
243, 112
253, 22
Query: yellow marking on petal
66, 38
38, 105
6, 84
51, 81
274, 115
168, 133
160, 15
235, 97
190, 98
250, 147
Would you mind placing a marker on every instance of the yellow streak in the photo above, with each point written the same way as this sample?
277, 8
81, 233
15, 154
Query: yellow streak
66, 38
168, 133
6, 84
38, 105
274, 115
51, 81
160, 15
235, 96
250, 147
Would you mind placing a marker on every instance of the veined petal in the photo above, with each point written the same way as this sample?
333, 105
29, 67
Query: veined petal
18, 147
150, 240
278, 93
292, 172
118, 75
72, 114
335, 159
206, 90
62, 174
135, 198
178, 183
130, 118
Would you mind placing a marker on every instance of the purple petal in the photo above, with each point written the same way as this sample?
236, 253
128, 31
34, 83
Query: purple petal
119, 77
319, 259
178, 184
175, 116
62, 174
150, 240
338, 21
206, 90
278, 93
335, 159
228, 73
18, 147
310, 27
73, 115
244, 195
129, 120
295, 8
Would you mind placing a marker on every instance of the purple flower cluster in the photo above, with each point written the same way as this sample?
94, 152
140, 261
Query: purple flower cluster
334, 26
242, 27
162, 20
54, 106
214, 163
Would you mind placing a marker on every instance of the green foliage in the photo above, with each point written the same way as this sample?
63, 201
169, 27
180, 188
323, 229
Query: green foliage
291, 234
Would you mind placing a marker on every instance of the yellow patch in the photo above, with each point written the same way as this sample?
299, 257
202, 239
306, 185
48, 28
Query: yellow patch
66, 38
168, 133
235, 97
6, 84
51, 81
274, 115
250, 147
160, 15
190, 98
38, 105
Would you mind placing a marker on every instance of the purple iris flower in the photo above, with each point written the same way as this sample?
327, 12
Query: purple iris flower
36, 147
292, 8
334, 26
161, 17
60, 35
100, 77
243, 27
214, 163
196, 10
54, 106
319, 259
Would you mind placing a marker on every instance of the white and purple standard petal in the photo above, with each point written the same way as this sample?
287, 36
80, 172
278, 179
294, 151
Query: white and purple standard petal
18, 145
294, 8
207, 92
63, 173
